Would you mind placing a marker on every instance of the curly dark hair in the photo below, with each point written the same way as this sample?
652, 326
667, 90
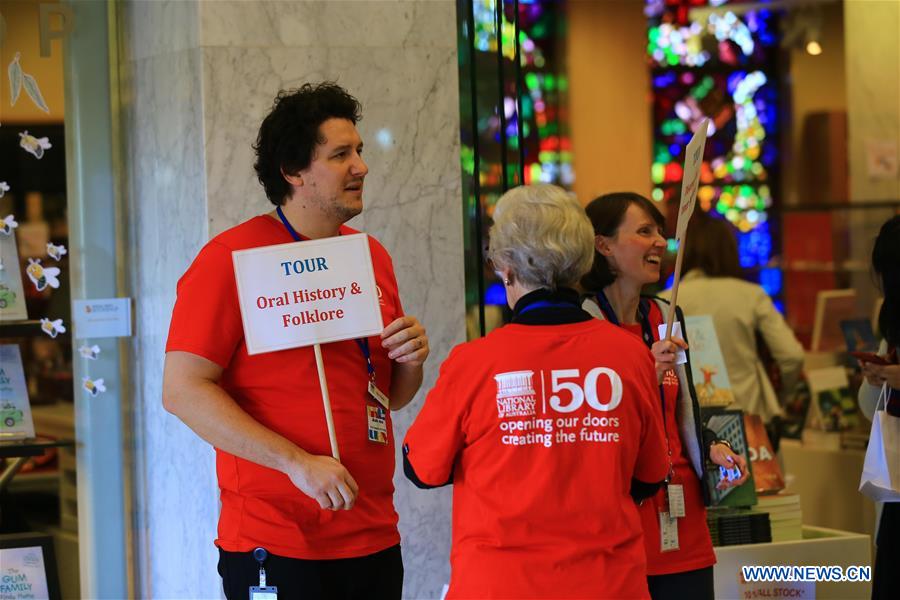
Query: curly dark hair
289, 133
886, 264
606, 214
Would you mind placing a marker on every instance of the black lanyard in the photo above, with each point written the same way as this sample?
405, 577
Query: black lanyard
362, 343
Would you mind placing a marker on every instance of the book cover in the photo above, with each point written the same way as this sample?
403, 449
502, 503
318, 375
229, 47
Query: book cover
833, 407
832, 307
12, 294
858, 335
766, 472
795, 409
15, 409
729, 425
708, 363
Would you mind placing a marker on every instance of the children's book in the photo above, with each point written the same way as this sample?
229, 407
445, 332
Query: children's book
12, 294
766, 472
858, 335
707, 363
15, 409
832, 406
729, 425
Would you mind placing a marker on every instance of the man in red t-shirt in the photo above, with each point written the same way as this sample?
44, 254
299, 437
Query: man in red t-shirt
328, 528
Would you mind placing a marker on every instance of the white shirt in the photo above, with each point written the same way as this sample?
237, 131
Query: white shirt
739, 309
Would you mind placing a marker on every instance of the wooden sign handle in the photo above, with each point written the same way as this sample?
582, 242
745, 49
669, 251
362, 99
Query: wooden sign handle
326, 402
670, 319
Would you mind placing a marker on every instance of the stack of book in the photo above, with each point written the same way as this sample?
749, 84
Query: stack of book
785, 516
730, 527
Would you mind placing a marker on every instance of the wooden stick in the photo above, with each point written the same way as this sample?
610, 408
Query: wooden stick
326, 402
670, 319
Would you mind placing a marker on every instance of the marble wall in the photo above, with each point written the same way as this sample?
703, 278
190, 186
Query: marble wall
201, 77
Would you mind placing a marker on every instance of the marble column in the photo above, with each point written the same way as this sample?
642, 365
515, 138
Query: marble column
200, 77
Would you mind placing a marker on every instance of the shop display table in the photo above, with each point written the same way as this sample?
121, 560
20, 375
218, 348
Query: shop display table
827, 480
819, 547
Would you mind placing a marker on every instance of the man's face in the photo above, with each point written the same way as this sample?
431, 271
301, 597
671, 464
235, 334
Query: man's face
333, 182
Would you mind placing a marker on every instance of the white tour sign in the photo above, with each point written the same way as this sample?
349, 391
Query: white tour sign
693, 160
306, 293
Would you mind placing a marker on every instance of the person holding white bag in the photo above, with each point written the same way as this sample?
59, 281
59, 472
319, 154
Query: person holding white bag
879, 399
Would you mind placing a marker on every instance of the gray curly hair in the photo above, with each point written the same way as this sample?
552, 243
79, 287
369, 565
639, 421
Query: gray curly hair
542, 234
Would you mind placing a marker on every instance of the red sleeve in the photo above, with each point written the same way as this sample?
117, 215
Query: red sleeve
206, 320
652, 465
380, 256
437, 435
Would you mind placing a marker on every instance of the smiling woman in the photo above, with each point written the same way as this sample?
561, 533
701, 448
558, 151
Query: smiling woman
628, 247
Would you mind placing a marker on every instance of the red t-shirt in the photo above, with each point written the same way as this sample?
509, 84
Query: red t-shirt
542, 458
260, 506
695, 546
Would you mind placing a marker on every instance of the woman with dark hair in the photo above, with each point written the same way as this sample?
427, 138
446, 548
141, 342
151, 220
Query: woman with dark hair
629, 246
885, 378
545, 426
713, 284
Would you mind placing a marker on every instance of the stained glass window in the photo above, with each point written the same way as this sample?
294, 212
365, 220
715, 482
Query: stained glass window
716, 59
505, 80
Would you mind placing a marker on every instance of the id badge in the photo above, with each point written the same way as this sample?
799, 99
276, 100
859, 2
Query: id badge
263, 593
379, 396
676, 499
668, 532
377, 417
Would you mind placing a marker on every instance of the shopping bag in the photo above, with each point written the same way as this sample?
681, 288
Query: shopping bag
880, 479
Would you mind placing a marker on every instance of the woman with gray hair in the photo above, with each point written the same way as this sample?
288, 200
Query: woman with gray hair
544, 426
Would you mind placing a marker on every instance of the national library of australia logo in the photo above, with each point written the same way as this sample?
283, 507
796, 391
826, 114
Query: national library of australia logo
515, 394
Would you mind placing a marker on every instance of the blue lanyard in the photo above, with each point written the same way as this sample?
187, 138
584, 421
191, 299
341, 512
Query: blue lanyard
297, 237
546, 304
367, 354
643, 310
363, 343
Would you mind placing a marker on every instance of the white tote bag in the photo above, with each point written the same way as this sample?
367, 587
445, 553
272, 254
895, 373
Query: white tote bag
881, 471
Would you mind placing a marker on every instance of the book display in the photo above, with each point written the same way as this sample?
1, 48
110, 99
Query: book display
785, 516
733, 526
36, 357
